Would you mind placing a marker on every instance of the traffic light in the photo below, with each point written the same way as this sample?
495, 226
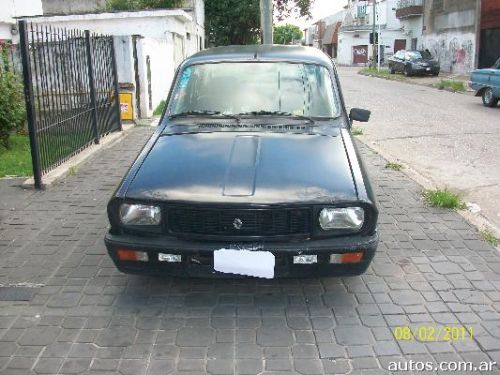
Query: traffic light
371, 38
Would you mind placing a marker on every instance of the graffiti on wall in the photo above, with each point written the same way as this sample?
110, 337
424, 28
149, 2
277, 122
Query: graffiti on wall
454, 52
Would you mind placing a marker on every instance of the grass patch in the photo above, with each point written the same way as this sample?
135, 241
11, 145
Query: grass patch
394, 166
72, 170
451, 85
16, 161
443, 198
489, 237
384, 73
159, 110
356, 131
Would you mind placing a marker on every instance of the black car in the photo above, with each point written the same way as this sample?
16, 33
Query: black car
413, 63
252, 172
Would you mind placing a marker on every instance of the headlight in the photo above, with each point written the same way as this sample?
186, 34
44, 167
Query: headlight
139, 214
350, 218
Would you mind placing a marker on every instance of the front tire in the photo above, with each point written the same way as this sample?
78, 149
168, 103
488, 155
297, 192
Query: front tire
488, 99
391, 69
407, 71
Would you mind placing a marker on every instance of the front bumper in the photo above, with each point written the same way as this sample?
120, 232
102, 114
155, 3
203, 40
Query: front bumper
419, 69
197, 256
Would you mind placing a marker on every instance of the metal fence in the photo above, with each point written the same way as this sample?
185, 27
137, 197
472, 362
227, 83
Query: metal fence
71, 91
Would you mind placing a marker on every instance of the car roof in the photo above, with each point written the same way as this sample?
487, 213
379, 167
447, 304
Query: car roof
261, 52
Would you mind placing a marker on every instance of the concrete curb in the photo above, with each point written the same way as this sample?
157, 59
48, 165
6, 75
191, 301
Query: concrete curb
411, 82
477, 220
57, 174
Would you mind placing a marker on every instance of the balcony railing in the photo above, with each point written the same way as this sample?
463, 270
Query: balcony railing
409, 8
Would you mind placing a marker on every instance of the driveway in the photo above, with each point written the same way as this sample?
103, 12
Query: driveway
80, 315
449, 139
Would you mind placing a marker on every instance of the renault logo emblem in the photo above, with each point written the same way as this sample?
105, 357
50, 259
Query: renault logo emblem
237, 223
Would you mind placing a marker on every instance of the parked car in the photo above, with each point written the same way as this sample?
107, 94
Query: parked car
252, 172
413, 63
486, 83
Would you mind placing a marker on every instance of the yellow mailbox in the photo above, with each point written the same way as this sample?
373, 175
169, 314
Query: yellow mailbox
126, 107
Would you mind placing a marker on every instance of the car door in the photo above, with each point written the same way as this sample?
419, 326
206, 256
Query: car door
400, 57
495, 79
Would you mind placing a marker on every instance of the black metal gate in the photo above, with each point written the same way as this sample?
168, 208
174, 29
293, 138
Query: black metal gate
71, 91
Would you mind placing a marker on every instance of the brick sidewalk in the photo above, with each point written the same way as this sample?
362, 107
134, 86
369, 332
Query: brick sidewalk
431, 270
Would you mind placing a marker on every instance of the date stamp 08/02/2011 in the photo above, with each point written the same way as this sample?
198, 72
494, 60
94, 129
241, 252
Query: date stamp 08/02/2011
432, 334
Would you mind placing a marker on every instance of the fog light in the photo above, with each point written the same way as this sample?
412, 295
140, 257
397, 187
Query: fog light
132, 255
169, 258
305, 259
346, 258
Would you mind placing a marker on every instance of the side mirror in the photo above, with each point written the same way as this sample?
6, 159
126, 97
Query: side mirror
358, 114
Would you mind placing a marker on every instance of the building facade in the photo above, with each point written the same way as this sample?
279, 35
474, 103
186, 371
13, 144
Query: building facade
354, 45
411, 16
489, 37
149, 44
450, 30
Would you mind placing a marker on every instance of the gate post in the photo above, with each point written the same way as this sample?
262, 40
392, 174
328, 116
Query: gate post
90, 66
115, 83
30, 104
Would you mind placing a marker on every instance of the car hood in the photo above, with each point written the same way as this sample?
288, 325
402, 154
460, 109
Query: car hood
235, 167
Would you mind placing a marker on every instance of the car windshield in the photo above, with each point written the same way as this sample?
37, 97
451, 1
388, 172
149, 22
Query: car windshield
240, 88
419, 55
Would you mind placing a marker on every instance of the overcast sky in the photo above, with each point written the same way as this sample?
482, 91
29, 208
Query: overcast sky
319, 9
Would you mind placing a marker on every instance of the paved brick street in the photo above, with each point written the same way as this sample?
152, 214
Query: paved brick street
85, 317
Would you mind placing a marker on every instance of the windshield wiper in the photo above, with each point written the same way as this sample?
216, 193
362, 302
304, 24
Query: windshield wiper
204, 112
278, 113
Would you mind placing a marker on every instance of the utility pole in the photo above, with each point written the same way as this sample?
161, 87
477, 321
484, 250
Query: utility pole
378, 43
266, 21
374, 50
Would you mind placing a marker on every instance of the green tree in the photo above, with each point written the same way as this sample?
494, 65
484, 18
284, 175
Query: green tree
142, 4
12, 110
238, 21
286, 34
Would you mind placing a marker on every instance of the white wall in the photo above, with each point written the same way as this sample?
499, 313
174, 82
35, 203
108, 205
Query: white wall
16, 8
347, 40
154, 24
454, 50
413, 28
162, 64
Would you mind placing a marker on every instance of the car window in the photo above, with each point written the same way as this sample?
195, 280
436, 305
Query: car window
497, 64
413, 55
242, 87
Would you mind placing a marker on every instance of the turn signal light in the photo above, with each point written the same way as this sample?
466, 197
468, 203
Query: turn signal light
346, 258
132, 255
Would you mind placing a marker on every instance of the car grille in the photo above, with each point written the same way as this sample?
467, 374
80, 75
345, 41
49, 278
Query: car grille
239, 222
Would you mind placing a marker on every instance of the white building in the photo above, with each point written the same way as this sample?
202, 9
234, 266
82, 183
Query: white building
354, 36
411, 15
9, 9
149, 45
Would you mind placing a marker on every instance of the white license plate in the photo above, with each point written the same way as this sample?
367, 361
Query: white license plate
245, 262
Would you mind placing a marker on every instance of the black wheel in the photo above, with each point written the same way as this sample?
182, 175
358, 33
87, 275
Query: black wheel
435, 74
488, 99
407, 71
391, 69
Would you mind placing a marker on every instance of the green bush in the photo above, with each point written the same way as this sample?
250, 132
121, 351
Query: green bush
159, 110
451, 85
12, 109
